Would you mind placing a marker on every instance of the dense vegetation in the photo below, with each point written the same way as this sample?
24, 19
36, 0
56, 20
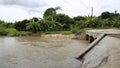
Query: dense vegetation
54, 22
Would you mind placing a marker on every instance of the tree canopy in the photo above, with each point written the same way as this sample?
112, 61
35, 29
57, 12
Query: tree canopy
49, 12
53, 21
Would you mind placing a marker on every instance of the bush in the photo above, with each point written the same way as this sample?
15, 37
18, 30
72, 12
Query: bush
11, 32
3, 32
74, 29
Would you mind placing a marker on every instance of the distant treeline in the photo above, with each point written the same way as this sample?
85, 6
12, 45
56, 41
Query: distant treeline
53, 21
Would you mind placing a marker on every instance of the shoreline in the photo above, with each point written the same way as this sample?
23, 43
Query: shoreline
46, 35
58, 35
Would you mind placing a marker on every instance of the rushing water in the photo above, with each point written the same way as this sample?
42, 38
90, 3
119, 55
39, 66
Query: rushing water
40, 52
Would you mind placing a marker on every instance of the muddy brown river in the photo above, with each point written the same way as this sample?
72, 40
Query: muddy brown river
40, 52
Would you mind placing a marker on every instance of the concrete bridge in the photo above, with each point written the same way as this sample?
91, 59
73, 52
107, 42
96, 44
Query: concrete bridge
95, 36
91, 35
102, 46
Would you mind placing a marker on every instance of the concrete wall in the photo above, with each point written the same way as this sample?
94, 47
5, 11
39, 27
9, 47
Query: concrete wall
80, 36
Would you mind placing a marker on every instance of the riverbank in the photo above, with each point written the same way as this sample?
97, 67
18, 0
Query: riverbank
14, 32
59, 35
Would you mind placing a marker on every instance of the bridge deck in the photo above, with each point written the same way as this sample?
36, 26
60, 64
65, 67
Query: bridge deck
96, 33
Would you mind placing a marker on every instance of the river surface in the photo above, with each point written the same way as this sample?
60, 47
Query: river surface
40, 52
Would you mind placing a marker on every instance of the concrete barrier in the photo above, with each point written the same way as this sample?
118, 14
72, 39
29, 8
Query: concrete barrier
94, 43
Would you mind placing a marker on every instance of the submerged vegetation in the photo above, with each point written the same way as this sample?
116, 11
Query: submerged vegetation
53, 22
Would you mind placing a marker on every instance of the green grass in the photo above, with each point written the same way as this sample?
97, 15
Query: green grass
13, 32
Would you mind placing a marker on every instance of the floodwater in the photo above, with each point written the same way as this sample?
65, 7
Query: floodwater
40, 52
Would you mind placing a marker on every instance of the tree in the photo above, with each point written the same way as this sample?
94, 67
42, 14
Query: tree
35, 19
78, 18
65, 20
116, 22
90, 22
46, 25
33, 26
51, 11
21, 25
105, 15
2, 24
9, 25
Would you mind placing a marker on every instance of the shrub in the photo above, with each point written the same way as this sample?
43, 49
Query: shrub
3, 32
11, 32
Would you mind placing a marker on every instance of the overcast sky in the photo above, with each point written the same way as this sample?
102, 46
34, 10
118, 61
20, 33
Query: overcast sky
16, 10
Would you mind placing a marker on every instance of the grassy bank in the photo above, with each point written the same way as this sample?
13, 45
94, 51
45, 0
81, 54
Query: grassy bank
14, 32
58, 32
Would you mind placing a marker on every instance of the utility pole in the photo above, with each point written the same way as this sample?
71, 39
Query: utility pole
115, 11
91, 11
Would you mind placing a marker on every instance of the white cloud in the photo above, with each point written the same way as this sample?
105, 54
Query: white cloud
16, 13
12, 10
25, 3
